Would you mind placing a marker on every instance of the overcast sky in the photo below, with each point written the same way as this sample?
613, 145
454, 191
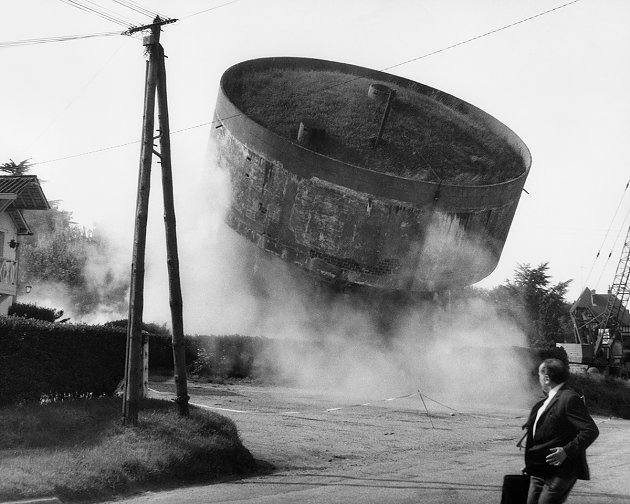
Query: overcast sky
560, 80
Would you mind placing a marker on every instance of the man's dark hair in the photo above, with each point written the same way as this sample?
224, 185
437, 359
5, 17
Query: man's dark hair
556, 370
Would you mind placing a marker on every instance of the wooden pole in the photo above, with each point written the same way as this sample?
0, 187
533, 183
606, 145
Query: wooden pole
172, 256
133, 358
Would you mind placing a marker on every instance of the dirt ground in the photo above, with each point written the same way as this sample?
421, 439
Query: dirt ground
390, 450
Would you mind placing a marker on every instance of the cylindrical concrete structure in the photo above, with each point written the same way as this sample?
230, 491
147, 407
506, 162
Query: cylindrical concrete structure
353, 225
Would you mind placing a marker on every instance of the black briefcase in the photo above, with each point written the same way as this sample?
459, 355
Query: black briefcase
515, 488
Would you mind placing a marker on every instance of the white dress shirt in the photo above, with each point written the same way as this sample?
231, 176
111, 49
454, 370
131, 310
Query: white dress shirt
550, 396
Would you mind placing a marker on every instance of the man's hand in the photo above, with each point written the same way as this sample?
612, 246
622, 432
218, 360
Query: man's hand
556, 457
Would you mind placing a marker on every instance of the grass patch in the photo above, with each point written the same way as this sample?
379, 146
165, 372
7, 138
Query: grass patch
78, 450
424, 139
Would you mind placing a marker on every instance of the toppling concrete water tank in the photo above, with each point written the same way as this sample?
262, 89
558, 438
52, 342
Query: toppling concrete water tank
428, 209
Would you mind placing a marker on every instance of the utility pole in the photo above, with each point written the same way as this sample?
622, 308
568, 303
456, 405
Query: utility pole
155, 80
172, 256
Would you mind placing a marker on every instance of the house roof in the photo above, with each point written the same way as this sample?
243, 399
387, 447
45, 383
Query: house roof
21, 192
597, 303
30, 195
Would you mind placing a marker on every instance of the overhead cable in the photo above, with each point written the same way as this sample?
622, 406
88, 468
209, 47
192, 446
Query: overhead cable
47, 40
138, 8
101, 12
486, 34
120, 145
210, 9
614, 245
76, 96
458, 44
89, 152
344, 82
599, 251
621, 230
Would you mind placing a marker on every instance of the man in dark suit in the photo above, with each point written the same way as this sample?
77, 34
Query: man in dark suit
559, 430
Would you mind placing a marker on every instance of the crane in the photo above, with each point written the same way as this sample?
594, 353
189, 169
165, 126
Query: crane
599, 333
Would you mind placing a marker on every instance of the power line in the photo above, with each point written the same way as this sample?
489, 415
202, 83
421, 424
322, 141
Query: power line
335, 85
486, 34
118, 146
76, 96
622, 229
111, 147
131, 28
101, 12
47, 40
138, 8
210, 9
458, 44
110, 15
621, 199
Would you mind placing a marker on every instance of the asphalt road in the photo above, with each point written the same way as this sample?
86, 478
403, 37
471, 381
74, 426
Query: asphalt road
392, 450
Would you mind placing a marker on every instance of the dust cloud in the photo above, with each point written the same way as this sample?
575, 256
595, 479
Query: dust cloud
101, 292
354, 348
463, 353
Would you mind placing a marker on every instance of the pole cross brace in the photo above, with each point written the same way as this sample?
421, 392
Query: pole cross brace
156, 22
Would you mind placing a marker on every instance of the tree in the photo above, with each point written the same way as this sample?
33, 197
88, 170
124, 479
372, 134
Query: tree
14, 168
62, 253
56, 251
536, 306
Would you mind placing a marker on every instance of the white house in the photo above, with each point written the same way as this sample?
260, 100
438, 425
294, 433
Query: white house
17, 193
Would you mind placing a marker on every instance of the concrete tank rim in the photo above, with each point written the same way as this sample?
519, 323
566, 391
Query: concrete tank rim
522, 147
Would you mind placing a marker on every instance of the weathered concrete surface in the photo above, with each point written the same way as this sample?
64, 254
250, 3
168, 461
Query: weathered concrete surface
389, 451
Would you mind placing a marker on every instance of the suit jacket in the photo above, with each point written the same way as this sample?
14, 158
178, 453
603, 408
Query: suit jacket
565, 423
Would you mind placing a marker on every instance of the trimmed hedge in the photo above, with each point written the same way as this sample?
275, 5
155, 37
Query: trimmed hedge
160, 345
161, 352
32, 311
42, 360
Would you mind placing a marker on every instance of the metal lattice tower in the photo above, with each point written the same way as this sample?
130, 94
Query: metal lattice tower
619, 290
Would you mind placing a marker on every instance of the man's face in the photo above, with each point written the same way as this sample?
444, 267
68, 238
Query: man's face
543, 379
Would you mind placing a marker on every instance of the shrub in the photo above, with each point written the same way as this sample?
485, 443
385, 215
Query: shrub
149, 327
603, 396
54, 361
541, 354
534, 357
32, 311
160, 346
